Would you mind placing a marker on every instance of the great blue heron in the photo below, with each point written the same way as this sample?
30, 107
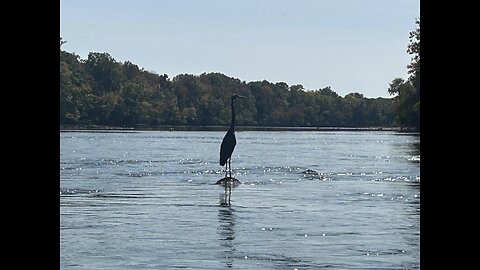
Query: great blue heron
226, 150
229, 141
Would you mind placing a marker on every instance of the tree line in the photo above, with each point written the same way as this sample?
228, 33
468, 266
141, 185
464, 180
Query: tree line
102, 91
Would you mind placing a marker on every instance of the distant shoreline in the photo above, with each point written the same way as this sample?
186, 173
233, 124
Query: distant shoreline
97, 128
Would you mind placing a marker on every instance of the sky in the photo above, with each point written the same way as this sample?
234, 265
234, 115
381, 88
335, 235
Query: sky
348, 45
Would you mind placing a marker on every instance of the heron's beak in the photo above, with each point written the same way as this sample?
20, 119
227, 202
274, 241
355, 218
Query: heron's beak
240, 96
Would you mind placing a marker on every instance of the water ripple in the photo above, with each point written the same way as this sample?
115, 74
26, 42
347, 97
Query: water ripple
75, 191
308, 200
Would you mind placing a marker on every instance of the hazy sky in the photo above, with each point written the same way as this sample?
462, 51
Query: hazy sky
349, 45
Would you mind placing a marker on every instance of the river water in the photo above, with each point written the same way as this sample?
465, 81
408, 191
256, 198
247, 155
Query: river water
308, 200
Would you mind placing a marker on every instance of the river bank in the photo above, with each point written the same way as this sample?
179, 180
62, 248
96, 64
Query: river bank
222, 128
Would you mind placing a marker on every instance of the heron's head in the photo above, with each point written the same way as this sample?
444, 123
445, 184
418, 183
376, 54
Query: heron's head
237, 96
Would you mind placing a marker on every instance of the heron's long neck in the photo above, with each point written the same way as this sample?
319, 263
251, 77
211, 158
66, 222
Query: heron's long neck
232, 124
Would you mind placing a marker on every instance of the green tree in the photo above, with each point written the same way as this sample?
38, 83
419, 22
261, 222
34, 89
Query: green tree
407, 93
74, 90
414, 50
357, 109
105, 72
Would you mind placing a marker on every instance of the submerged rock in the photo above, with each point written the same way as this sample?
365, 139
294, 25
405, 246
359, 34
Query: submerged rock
314, 175
229, 181
308, 171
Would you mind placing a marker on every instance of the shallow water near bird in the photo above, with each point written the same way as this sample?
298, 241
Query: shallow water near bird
308, 200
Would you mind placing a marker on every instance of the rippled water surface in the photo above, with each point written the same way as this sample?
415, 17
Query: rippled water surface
308, 200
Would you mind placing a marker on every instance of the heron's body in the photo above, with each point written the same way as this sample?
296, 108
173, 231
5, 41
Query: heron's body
227, 147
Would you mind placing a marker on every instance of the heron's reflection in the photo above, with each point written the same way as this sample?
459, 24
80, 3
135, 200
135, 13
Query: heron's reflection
226, 231
228, 183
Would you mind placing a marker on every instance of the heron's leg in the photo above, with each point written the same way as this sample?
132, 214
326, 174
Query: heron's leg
225, 170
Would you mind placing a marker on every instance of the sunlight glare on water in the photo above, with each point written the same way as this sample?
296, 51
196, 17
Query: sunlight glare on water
308, 200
